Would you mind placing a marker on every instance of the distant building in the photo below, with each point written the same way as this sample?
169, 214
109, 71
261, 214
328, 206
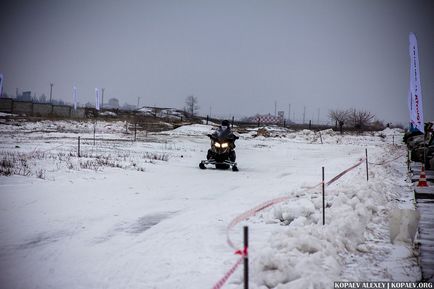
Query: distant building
25, 96
113, 103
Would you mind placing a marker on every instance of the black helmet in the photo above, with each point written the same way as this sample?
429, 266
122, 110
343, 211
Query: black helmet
225, 123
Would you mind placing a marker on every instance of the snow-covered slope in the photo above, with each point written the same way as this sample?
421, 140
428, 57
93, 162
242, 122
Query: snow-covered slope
143, 215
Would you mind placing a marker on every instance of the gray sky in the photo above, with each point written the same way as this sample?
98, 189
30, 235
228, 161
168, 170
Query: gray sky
237, 57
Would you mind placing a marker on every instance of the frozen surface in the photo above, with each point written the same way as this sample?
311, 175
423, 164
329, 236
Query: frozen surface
143, 215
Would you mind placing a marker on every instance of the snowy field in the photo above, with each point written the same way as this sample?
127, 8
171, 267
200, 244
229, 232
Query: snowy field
143, 215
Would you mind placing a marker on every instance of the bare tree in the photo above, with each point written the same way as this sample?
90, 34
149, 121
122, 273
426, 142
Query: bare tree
360, 118
379, 125
192, 106
340, 117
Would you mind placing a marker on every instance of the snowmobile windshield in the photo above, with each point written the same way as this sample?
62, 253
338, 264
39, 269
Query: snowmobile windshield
223, 134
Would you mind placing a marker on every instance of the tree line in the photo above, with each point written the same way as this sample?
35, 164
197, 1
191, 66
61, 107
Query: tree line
358, 119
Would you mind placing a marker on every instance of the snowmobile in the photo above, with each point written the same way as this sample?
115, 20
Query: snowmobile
222, 153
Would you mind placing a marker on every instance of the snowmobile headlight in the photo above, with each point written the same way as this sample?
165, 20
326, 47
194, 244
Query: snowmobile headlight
217, 145
225, 145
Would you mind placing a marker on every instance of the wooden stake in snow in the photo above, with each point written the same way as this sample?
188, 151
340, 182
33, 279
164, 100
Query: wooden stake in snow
246, 257
78, 147
367, 170
408, 159
323, 197
94, 132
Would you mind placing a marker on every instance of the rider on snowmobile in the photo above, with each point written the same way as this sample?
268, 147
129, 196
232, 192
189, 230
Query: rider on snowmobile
222, 153
225, 129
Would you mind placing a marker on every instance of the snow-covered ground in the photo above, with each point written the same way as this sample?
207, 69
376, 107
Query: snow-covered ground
143, 215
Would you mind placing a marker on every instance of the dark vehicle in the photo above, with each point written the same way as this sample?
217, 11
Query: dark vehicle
421, 146
222, 153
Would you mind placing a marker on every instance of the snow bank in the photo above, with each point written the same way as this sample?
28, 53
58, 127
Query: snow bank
64, 126
298, 258
307, 254
391, 131
5, 114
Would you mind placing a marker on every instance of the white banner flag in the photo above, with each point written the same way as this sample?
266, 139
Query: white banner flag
74, 97
97, 98
1, 84
415, 93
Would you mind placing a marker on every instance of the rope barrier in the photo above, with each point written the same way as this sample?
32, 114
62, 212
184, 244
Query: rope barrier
252, 212
344, 172
389, 161
228, 274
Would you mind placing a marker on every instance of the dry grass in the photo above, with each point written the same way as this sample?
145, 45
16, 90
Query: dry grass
42, 164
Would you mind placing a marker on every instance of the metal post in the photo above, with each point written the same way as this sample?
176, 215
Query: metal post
135, 131
94, 132
207, 119
323, 198
51, 91
310, 124
78, 147
289, 112
408, 159
246, 257
424, 147
102, 98
232, 124
367, 170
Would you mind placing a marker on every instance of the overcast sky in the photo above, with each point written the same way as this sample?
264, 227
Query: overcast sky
237, 57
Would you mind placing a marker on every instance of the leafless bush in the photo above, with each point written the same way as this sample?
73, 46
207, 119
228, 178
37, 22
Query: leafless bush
40, 174
6, 167
90, 165
377, 125
360, 119
69, 165
191, 105
340, 117
100, 161
156, 156
14, 164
